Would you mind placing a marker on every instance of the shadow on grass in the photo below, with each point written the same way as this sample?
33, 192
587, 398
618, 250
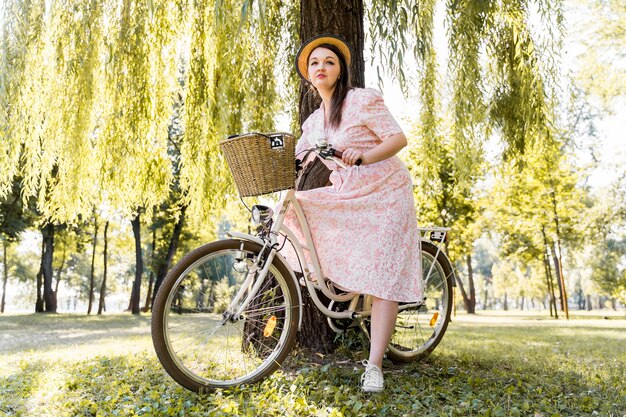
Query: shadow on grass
52, 331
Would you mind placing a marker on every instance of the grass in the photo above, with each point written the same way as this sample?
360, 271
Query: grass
490, 364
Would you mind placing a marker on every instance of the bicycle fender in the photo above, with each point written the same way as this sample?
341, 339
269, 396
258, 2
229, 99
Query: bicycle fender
281, 258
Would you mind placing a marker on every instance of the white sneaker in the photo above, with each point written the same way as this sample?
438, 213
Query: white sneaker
372, 379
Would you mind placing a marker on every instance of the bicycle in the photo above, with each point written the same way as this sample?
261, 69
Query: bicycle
228, 312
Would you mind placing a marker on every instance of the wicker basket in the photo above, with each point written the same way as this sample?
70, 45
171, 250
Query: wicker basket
261, 163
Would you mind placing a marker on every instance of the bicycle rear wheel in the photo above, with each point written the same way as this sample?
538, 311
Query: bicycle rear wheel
200, 342
419, 329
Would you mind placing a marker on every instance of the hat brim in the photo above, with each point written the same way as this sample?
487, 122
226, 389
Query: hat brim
303, 54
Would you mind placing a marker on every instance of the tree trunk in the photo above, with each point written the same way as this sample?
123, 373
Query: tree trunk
39, 302
92, 278
471, 302
103, 287
343, 18
506, 302
164, 267
546, 264
148, 304
557, 272
135, 294
5, 275
60, 270
49, 296
559, 259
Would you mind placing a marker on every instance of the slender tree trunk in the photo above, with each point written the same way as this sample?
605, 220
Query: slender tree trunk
49, 296
344, 18
135, 294
60, 270
557, 272
588, 303
5, 274
546, 263
506, 302
103, 287
164, 267
148, 304
471, 302
92, 278
39, 303
559, 259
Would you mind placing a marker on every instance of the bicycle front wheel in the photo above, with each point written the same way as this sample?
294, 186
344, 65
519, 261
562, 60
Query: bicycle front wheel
419, 329
198, 338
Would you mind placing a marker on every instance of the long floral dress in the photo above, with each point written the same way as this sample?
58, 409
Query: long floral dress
364, 226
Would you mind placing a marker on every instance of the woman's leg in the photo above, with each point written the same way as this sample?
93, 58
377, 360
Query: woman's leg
384, 313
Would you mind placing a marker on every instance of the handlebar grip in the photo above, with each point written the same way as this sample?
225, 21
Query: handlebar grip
339, 154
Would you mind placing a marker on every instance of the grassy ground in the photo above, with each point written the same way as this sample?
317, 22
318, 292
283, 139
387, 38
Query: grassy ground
490, 364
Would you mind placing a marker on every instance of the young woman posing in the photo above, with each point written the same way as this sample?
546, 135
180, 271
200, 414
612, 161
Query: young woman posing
364, 225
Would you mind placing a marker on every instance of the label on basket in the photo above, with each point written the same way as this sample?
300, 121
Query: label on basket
277, 142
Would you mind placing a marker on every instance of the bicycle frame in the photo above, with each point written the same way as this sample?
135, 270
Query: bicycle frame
314, 280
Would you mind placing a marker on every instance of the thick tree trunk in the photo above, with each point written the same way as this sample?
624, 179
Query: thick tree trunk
135, 294
49, 296
343, 18
103, 287
337, 17
164, 266
92, 278
5, 275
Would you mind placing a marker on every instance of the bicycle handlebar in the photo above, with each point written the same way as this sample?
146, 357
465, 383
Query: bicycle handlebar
338, 154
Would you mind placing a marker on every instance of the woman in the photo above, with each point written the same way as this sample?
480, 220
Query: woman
364, 225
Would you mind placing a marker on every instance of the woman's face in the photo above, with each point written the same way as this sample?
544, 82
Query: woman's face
324, 69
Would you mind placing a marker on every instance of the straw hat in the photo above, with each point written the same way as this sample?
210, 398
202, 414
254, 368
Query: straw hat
303, 54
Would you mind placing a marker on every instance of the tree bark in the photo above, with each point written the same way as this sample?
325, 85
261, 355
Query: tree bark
337, 17
60, 270
471, 305
148, 304
49, 296
92, 278
103, 287
135, 294
343, 18
557, 272
546, 263
164, 267
5, 275
559, 259
39, 308
588, 303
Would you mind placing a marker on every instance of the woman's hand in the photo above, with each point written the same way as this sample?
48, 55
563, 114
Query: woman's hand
350, 156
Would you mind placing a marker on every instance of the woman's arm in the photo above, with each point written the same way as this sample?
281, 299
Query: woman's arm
386, 149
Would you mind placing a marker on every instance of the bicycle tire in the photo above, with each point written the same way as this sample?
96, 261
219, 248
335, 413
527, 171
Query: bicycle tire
419, 330
202, 348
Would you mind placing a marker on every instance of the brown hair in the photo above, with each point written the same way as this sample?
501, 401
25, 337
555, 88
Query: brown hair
341, 88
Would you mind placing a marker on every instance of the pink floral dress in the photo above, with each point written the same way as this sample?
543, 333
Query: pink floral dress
364, 226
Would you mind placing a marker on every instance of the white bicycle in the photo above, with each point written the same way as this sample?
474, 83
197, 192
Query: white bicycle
228, 312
